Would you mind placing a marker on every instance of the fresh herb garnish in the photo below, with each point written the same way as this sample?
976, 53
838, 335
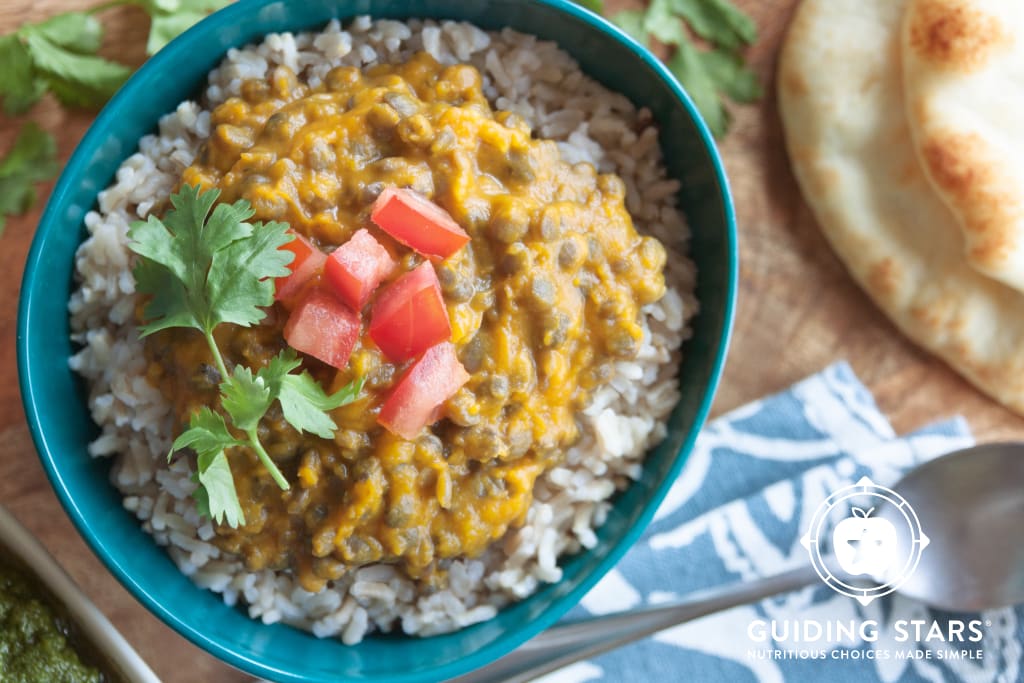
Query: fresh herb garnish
595, 6
32, 159
203, 266
168, 18
709, 75
59, 54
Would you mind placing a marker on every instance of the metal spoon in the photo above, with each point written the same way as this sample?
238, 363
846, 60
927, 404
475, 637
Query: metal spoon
971, 503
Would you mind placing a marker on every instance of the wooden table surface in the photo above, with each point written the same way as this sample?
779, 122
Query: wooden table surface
798, 311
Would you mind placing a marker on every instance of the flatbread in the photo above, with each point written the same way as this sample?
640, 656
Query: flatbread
841, 102
963, 63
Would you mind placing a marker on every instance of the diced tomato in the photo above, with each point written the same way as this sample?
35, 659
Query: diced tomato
409, 316
322, 326
356, 268
417, 399
308, 260
417, 222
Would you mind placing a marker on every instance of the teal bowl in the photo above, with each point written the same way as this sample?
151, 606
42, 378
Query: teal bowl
54, 397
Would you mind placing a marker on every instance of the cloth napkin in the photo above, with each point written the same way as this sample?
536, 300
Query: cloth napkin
737, 512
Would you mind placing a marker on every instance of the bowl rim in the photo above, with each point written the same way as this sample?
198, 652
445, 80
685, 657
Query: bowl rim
177, 50
94, 625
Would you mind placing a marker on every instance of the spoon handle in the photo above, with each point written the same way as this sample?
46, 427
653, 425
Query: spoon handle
564, 644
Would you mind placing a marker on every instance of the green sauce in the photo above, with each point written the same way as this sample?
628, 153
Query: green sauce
34, 645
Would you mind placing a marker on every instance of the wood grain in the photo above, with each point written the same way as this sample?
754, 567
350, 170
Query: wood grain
798, 311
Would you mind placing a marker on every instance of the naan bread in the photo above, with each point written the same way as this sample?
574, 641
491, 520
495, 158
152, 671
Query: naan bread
842, 108
963, 63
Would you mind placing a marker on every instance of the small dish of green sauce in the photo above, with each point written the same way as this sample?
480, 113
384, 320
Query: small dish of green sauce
38, 640
49, 630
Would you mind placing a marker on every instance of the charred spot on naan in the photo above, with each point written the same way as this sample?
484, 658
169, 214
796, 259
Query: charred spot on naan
794, 82
958, 163
948, 157
953, 34
884, 279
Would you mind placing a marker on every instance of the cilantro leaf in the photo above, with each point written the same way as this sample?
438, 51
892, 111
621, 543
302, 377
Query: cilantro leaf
595, 6
216, 496
732, 76
246, 398
204, 268
78, 80
76, 31
207, 435
60, 53
632, 22
717, 21
164, 28
248, 268
688, 66
32, 159
661, 22
168, 18
304, 402
279, 366
708, 75
20, 86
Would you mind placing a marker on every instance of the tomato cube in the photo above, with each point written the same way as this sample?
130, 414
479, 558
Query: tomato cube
307, 262
417, 399
409, 315
417, 222
323, 327
356, 268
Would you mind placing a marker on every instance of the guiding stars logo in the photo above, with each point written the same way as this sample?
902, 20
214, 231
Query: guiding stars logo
865, 541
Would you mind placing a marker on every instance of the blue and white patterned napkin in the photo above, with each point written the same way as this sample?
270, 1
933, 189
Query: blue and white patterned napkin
737, 512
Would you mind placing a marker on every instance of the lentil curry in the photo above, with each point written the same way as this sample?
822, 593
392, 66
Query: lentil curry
542, 301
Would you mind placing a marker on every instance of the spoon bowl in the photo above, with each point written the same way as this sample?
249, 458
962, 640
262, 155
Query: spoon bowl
971, 506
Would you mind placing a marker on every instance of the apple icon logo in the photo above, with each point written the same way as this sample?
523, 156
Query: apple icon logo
864, 544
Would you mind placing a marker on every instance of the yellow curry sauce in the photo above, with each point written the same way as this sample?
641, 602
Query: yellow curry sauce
543, 300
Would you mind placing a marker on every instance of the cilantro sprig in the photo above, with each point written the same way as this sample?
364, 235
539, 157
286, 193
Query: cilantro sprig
204, 265
168, 18
32, 159
711, 74
60, 54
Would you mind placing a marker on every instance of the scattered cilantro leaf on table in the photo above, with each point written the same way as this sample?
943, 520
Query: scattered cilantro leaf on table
168, 18
202, 265
19, 84
717, 21
632, 22
32, 159
59, 55
711, 73
595, 6
77, 31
